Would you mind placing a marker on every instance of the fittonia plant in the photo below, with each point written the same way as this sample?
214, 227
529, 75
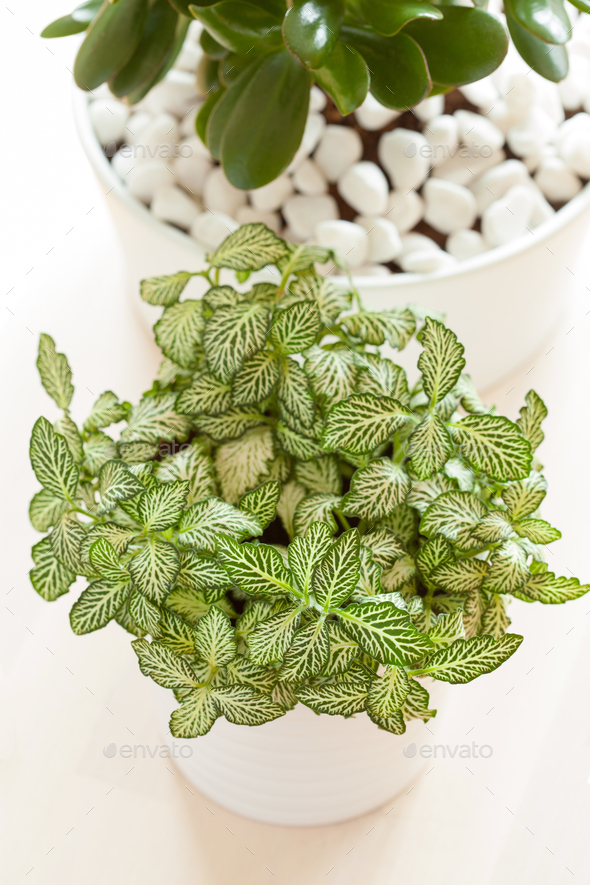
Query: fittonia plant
410, 515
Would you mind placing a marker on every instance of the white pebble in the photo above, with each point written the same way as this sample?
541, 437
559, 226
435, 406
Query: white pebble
170, 203
220, 195
417, 243
248, 215
339, 148
158, 139
365, 188
405, 157
189, 57
502, 116
272, 196
349, 240
195, 29
314, 129
405, 210
578, 123
427, 261
464, 169
463, 244
556, 181
533, 161
574, 88
136, 125
187, 124
521, 93
429, 108
575, 150
310, 180
191, 167
372, 270
372, 115
303, 213
542, 210
497, 181
509, 217
123, 162
212, 230
108, 117
525, 137
317, 100
145, 179
384, 240
442, 134
449, 206
478, 132
174, 94
483, 93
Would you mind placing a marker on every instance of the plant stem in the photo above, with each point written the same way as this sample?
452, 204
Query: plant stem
345, 523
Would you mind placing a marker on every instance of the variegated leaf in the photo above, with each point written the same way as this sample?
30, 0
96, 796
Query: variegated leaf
256, 379
154, 570
537, 530
284, 695
66, 427
293, 392
66, 538
231, 424
531, 417
195, 716
524, 497
270, 638
430, 555
98, 449
144, 613
307, 654
388, 692
450, 513
382, 377
495, 621
258, 570
467, 394
336, 575
459, 577
166, 290
222, 296
447, 629
416, 703
312, 287
423, 493
242, 705
178, 332
385, 632
49, 577
343, 650
384, 545
315, 508
207, 394
192, 463
56, 375
296, 328
45, 509
302, 447
117, 536
369, 579
441, 362
176, 633
52, 461
232, 334
163, 666
106, 410
251, 247
201, 523
430, 446
202, 572
243, 463
545, 587
136, 453
214, 638
375, 490
395, 326
244, 672
493, 527
305, 553
105, 561
493, 445
466, 659
321, 476
291, 494
191, 604
401, 576
161, 507
332, 373
394, 724
155, 418
362, 422
98, 604
344, 699
507, 570
262, 501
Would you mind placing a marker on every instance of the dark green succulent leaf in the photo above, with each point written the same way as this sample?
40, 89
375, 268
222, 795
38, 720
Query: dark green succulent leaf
112, 38
345, 77
154, 47
551, 63
224, 108
546, 20
74, 23
311, 29
240, 26
388, 18
211, 47
214, 95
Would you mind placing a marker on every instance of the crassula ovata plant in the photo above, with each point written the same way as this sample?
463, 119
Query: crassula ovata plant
282, 515
262, 56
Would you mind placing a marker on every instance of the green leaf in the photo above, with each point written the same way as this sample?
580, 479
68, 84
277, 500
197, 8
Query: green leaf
531, 417
50, 578
375, 490
232, 424
493, 445
385, 632
342, 651
251, 247
293, 392
201, 524
66, 428
307, 654
45, 509
459, 577
494, 527
270, 639
394, 326
240, 27
154, 570
466, 659
176, 633
524, 497
202, 572
178, 332
552, 63
389, 18
400, 576
362, 422
545, 587
214, 638
302, 447
166, 668
381, 376
548, 20
291, 494
52, 461
448, 628
233, 333
242, 705
311, 29
75, 23
106, 410
322, 475
537, 530
315, 508
165, 290
242, 463
116, 483
465, 391
416, 703
451, 513
336, 576
388, 692
155, 418
430, 446
191, 463
507, 571
145, 614
256, 380
345, 77
344, 699
222, 296
430, 555
98, 604
244, 672
332, 373
160, 508
206, 394
195, 716
384, 546
105, 561
56, 375
441, 361
262, 502
98, 449
296, 328
495, 621
117, 536
110, 42
306, 553
66, 538
152, 52
394, 724
258, 570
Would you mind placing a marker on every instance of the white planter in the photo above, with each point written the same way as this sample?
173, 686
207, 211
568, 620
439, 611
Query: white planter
302, 769
503, 305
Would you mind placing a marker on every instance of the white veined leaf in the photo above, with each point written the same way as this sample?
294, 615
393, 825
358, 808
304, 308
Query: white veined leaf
395, 326
105, 561
459, 577
457, 469
385, 547
263, 293
296, 328
98, 449
369, 579
86, 495
191, 605
176, 633
262, 501
56, 375
473, 605
450, 513
388, 692
385, 632
441, 361
231, 424
310, 286
524, 497
160, 508
495, 621
192, 463
303, 258
467, 394
401, 575
243, 705
507, 570
550, 590
116, 483
493, 445
214, 638
394, 724
256, 379
430, 446
202, 522
375, 490
117, 536
448, 628
447, 407
537, 530
166, 290
332, 373
493, 527
403, 522
195, 716
251, 247
66, 538
382, 377
296, 445
362, 422
242, 464
106, 410
255, 611
416, 703
154, 570
344, 699
232, 334
305, 554
222, 296
531, 417
423, 493
431, 554
336, 576
291, 494
137, 453
307, 654
52, 461
98, 604
166, 668
258, 570
270, 638
284, 695
144, 613
322, 475
45, 509
178, 332
66, 427
50, 578
169, 372
244, 672
293, 392
342, 651
202, 573
207, 394
315, 508
466, 659
155, 418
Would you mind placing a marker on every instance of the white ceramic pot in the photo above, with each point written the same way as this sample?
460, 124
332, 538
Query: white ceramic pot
302, 769
503, 305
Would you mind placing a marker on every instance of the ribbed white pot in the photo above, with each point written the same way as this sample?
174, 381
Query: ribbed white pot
302, 769
503, 305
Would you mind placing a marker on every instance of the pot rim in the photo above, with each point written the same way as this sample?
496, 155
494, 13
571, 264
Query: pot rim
109, 177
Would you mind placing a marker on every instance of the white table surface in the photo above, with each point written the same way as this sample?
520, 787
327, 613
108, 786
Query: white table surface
68, 814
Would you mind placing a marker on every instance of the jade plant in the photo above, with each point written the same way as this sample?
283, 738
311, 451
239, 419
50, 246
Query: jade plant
262, 56
282, 517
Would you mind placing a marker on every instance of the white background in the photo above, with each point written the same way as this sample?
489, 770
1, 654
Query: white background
68, 814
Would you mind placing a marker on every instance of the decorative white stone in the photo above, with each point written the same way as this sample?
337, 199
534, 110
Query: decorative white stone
145, 179
108, 117
464, 169
272, 196
310, 180
483, 93
521, 93
340, 147
579, 122
191, 167
384, 240
172, 204
427, 261
477, 132
135, 126
372, 270
220, 195
442, 134
158, 139
349, 240
497, 181
405, 210
537, 128
429, 108
187, 123
123, 162
575, 150
405, 157
248, 215
365, 188
509, 217
463, 244
189, 57
449, 206
317, 100
533, 161
574, 88
502, 116
372, 115
211, 229
302, 214
557, 181
417, 243
314, 129
542, 210
175, 94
